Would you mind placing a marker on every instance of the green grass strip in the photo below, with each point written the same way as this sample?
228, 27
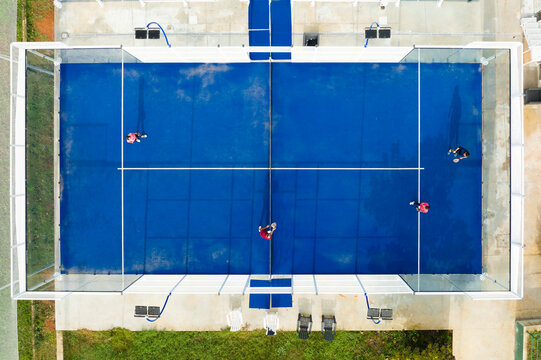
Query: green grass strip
124, 344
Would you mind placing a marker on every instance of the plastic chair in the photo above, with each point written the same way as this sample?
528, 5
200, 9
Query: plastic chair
328, 327
304, 326
271, 323
234, 320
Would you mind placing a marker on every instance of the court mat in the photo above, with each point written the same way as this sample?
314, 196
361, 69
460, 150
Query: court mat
331, 152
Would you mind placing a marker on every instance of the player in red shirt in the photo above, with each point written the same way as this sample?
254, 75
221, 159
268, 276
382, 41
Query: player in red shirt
267, 231
133, 137
420, 207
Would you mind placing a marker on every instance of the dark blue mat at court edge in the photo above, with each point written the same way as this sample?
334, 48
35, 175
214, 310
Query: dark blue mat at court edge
258, 27
266, 301
281, 300
259, 301
281, 27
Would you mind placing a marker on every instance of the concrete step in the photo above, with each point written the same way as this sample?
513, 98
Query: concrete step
530, 26
535, 53
532, 37
531, 31
527, 20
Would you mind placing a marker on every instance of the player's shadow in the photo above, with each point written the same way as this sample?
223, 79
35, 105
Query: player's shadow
141, 107
455, 115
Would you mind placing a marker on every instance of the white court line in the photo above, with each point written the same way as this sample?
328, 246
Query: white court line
267, 168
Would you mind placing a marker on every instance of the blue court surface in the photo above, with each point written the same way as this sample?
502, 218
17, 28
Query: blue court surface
342, 142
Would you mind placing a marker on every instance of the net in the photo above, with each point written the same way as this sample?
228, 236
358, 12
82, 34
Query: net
270, 161
270, 142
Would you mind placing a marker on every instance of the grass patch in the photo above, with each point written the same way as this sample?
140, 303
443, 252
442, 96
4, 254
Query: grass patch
124, 344
34, 20
120, 343
36, 333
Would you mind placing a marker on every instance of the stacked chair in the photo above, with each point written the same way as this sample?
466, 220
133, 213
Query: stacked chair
304, 326
328, 327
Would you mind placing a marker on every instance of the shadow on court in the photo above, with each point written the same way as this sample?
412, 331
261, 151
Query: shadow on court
141, 107
455, 115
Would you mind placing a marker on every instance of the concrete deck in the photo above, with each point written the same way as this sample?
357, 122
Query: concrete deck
226, 22
481, 329
199, 24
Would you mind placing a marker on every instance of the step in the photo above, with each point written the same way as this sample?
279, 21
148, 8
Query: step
530, 26
528, 20
532, 31
535, 52
533, 37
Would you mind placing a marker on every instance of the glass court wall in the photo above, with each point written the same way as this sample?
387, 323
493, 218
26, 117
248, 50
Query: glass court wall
36, 184
495, 276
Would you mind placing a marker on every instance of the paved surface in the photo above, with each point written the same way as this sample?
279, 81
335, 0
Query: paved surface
481, 329
202, 24
199, 24
8, 308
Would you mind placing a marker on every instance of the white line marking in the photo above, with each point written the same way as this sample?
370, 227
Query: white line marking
266, 169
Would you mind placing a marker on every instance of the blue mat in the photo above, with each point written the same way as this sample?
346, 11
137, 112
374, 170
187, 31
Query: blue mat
217, 115
266, 301
280, 27
258, 25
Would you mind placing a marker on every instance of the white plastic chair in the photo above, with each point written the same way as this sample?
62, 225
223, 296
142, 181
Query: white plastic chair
271, 323
234, 320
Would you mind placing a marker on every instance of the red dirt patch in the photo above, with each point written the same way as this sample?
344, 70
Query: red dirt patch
49, 325
45, 26
48, 310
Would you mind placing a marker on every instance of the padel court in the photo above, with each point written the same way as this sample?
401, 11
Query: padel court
331, 152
